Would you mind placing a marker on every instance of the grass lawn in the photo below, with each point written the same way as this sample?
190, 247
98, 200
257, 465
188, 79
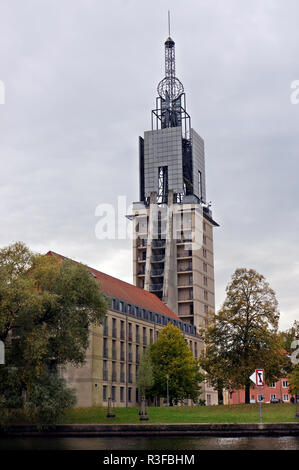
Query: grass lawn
198, 414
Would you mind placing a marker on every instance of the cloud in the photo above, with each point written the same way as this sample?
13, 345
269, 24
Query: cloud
80, 80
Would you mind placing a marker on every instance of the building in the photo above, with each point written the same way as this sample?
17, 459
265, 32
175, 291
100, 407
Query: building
173, 255
133, 321
277, 390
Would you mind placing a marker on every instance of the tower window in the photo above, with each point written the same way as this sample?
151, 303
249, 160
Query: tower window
162, 184
199, 185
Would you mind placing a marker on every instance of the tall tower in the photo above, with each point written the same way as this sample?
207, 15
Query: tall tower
173, 225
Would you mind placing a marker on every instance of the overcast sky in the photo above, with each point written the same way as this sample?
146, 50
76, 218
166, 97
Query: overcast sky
80, 79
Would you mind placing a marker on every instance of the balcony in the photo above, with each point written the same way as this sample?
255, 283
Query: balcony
158, 243
157, 272
157, 258
156, 287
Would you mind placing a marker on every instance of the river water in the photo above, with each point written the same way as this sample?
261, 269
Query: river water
150, 443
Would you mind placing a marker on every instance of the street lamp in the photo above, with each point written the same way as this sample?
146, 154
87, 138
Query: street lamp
167, 377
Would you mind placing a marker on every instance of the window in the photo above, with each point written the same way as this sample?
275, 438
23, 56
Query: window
121, 306
190, 280
205, 280
122, 329
122, 351
104, 392
195, 350
105, 370
113, 393
122, 372
137, 334
285, 383
162, 196
144, 335
114, 379
204, 252
114, 330
199, 185
205, 267
105, 347
273, 385
130, 332
151, 336
205, 294
129, 394
114, 349
121, 394
204, 239
273, 396
191, 309
285, 397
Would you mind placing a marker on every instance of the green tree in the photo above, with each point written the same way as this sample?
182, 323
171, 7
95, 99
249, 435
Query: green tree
293, 379
171, 356
47, 305
145, 377
243, 335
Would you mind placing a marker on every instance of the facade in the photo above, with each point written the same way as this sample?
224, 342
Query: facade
172, 222
133, 321
277, 390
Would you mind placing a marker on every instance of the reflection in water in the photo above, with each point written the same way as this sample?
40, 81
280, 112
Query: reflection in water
151, 443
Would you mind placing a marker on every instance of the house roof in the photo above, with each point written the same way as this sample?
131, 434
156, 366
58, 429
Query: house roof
127, 292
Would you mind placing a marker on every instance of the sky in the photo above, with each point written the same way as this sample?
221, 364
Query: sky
80, 79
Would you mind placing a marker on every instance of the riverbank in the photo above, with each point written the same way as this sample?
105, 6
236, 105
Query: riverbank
150, 429
272, 413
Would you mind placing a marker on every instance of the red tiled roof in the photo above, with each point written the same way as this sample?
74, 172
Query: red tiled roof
128, 292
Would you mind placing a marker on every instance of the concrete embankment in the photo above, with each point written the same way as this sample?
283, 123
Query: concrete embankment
148, 429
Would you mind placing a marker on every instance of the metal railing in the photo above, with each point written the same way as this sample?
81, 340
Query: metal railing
156, 287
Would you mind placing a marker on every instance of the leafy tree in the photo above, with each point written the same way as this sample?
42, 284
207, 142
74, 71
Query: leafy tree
145, 377
47, 305
171, 356
243, 335
293, 379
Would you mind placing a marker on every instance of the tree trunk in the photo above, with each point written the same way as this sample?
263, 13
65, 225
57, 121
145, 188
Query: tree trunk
247, 392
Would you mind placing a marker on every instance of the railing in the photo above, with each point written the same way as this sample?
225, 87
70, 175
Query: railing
157, 272
156, 287
157, 258
158, 243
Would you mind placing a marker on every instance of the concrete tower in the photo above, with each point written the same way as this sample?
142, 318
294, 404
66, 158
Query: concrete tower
172, 222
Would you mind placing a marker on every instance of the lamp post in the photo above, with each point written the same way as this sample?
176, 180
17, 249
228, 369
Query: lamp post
167, 392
